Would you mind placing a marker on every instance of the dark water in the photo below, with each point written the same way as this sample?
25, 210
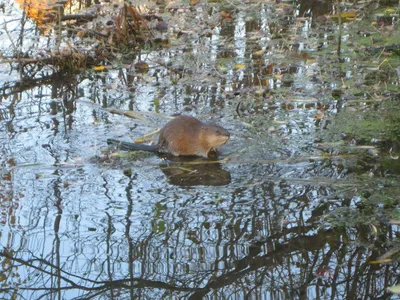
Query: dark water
279, 218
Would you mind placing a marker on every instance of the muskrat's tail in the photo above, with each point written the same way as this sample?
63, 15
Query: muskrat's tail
132, 146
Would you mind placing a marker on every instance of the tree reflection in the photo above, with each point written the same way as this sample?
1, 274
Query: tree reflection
244, 248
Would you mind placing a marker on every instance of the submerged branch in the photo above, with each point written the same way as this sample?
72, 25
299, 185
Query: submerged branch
25, 60
339, 13
12, 88
78, 17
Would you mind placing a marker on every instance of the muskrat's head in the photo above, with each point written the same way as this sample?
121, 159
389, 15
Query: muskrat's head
214, 135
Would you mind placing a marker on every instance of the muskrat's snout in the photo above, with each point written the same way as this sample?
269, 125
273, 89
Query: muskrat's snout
227, 135
223, 136
223, 132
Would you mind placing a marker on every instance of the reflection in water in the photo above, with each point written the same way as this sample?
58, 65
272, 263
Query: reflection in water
72, 228
41, 12
124, 244
195, 173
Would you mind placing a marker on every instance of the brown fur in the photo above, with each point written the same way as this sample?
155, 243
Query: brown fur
186, 135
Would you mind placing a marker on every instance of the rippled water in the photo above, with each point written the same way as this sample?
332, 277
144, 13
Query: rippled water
78, 222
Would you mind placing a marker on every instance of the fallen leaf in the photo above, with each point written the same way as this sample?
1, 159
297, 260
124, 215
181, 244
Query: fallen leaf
226, 15
258, 53
374, 228
141, 67
381, 261
81, 34
392, 156
345, 15
239, 66
98, 68
349, 15
389, 10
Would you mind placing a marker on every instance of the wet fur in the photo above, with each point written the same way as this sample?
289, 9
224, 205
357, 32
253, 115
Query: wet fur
186, 135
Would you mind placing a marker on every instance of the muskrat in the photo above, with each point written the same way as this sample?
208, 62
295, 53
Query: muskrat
184, 135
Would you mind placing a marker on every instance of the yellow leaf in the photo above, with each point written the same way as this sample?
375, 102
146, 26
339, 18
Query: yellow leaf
349, 15
81, 34
239, 66
389, 10
380, 261
98, 68
345, 15
259, 53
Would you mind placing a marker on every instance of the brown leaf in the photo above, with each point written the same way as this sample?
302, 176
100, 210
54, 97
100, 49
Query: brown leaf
225, 15
141, 67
